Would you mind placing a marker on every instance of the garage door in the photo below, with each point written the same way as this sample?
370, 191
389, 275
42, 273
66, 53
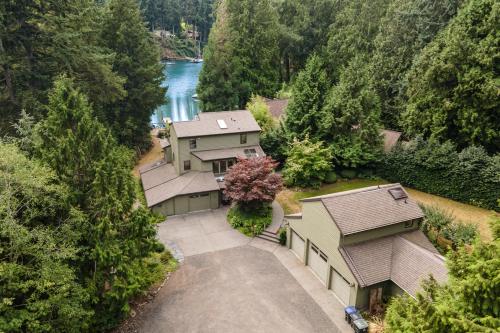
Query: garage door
199, 202
318, 261
340, 287
297, 245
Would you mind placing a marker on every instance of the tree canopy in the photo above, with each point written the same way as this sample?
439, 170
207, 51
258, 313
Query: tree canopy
241, 57
453, 85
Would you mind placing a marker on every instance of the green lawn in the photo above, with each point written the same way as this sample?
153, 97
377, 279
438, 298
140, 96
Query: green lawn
289, 200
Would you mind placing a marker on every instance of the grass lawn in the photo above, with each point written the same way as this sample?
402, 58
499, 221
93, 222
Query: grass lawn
289, 200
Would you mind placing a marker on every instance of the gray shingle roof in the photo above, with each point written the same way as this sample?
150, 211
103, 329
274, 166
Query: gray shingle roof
390, 139
164, 143
277, 106
368, 208
406, 259
237, 122
162, 183
217, 154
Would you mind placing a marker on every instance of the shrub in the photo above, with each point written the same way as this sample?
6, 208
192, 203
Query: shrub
435, 218
260, 111
282, 236
307, 164
470, 176
348, 173
460, 233
331, 177
250, 222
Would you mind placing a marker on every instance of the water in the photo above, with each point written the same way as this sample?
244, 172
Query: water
182, 78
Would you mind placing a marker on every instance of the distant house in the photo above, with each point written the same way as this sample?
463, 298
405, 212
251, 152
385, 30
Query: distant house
391, 138
197, 154
276, 106
365, 244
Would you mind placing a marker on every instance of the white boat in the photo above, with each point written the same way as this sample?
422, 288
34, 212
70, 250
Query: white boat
196, 60
195, 96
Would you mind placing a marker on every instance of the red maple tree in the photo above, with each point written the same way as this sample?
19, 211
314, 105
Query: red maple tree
252, 182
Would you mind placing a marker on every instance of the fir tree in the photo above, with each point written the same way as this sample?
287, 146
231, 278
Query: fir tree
116, 238
453, 85
241, 57
406, 28
352, 117
137, 60
305, 112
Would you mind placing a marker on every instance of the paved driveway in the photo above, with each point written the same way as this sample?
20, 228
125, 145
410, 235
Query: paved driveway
242, 289
200, 232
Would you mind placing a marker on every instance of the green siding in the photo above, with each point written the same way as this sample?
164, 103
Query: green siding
317, 226
180, 148
377, 233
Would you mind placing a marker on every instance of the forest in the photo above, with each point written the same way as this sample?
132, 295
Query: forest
429, 69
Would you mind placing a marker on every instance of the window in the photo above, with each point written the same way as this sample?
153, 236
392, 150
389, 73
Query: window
221, 166
192, 143
409, 224
250, 153
243, 138
173, 156
187, 165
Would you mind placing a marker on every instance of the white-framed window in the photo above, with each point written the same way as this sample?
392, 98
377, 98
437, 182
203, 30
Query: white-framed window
243, 138
192, 143
187, 165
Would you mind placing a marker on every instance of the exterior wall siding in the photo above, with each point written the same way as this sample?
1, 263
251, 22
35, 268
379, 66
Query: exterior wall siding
377, 233
180, 204
317, 226
182, 151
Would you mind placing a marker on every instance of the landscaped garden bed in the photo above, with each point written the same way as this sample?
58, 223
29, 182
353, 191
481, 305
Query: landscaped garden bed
250, 222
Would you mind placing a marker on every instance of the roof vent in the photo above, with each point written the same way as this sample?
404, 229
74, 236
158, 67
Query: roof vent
222, 124
398, 193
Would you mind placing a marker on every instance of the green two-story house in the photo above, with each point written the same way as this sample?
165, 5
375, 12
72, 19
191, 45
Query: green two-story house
197, 154
365, 245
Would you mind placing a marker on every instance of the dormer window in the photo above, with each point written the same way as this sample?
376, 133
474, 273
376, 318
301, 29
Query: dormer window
192, 143
243, 138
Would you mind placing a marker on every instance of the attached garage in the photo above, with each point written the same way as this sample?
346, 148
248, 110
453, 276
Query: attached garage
199, 201
340, 287
318, 261
297, 245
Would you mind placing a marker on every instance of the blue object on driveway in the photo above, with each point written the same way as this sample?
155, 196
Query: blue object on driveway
350, 310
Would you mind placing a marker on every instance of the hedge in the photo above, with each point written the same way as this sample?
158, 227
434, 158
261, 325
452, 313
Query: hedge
470, 176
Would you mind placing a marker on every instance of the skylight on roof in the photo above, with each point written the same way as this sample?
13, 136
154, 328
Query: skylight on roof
398, 193
222, 124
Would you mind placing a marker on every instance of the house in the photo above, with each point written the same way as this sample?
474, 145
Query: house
365, 243
197, 154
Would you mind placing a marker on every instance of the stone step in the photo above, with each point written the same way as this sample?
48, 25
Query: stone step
269, 238
270, 234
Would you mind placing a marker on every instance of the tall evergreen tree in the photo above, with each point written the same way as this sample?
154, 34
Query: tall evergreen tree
241, 57
353, 33
38, 285
39, 41
407, 27
453, 86
137, 60
352, 116
305, 113
116, 237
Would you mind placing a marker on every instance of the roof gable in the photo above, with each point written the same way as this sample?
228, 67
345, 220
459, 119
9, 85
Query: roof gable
368, 208
406, 259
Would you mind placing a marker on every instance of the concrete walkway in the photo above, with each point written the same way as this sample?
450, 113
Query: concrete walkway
278, 215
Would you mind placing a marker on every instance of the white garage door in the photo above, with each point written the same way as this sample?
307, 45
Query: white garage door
318, 262
297, 245
340, 287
